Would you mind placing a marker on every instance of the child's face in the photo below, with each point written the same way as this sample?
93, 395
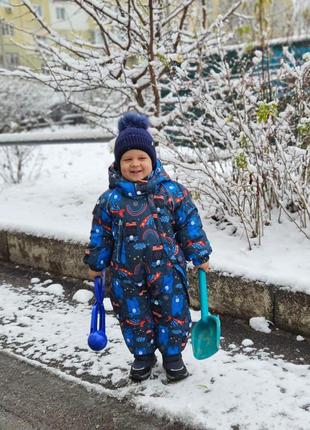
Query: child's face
135, 165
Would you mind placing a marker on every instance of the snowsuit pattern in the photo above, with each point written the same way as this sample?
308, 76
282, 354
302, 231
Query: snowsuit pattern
146, 231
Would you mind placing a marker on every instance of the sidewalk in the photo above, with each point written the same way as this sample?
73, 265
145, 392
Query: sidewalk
33, 398
255, 381
229, 295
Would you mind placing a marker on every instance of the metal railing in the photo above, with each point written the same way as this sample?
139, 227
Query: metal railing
56, 137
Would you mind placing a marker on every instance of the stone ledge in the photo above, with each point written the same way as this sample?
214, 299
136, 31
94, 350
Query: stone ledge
52, 255
234, 296
4, 249
292, 311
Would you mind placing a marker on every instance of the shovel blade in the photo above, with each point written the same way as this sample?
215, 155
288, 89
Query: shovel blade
206, 336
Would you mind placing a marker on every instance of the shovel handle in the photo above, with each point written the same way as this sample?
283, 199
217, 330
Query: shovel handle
203, 293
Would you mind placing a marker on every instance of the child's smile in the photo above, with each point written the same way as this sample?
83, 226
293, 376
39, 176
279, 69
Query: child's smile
135, 165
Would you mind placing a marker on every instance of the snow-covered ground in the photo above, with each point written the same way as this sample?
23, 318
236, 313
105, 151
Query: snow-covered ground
59, 204
230, 390
42, 324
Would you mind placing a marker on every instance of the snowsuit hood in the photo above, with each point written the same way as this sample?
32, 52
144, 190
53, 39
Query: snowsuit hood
133, 189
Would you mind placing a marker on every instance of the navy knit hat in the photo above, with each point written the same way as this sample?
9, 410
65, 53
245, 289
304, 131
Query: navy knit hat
134, 134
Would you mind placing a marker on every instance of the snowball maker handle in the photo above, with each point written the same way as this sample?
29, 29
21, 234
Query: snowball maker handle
98, 308
97, 339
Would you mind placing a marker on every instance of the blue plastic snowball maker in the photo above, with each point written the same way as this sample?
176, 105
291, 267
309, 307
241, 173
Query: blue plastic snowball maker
97, 339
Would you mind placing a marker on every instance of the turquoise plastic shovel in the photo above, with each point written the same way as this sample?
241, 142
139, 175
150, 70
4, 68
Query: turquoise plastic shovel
206, 333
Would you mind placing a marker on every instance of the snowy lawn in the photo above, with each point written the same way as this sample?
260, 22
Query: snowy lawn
230, 390
60, 202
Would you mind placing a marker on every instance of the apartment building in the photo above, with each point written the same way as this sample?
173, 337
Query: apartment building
18, 29
17, 26
281, 16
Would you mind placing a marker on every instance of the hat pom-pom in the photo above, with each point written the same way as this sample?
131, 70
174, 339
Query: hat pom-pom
133, 119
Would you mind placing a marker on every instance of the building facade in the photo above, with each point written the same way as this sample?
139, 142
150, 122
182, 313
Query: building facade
18, 28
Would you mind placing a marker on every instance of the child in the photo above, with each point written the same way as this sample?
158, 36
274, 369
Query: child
145, 227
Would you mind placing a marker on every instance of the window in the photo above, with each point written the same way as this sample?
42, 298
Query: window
94, 36
38, 9
60, 13
42, 39
12, 59
6, 29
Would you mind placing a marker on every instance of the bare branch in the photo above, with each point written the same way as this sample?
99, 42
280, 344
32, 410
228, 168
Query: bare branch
151, 60
179, 9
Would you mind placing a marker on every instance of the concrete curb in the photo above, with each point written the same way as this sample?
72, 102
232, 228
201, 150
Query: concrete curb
234, 296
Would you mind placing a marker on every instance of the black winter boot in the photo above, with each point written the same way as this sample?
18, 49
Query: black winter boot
141, 368
175, 368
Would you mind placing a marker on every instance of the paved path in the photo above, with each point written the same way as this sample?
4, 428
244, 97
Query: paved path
33, 398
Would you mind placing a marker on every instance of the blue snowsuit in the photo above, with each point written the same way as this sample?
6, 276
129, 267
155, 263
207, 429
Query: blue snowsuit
145, 232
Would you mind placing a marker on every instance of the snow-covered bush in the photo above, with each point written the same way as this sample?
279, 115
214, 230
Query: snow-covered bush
24, 104
256, 165
15, 161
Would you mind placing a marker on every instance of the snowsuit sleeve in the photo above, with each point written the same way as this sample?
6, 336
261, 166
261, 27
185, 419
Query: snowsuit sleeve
100, 248
188, 229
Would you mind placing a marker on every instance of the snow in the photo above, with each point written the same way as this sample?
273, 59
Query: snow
83, 296
300, 338
47, 282
46, 287
229, 390
247, 342
260, 324
68, 133
56, 289
59, 205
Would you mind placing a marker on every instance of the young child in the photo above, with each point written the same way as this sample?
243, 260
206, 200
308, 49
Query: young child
145, 227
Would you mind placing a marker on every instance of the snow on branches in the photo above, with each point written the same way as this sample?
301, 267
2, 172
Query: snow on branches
241, 142
135, 59
249, 157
